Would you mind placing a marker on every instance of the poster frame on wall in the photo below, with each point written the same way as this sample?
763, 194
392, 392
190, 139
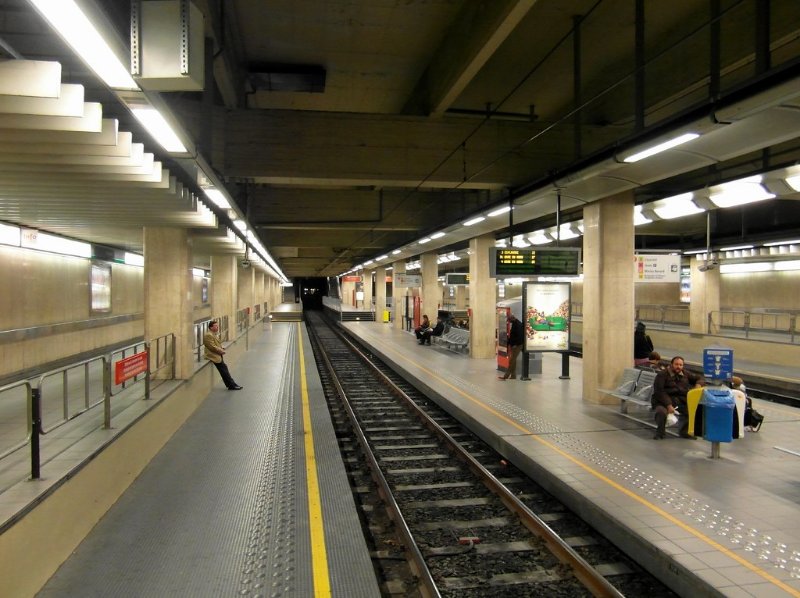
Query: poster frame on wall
99, 288
548, 298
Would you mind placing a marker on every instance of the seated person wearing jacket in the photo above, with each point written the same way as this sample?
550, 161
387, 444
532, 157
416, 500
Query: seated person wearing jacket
424, 325
435, 331
669, 393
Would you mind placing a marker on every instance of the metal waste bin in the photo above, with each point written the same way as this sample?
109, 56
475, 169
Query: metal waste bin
718, 405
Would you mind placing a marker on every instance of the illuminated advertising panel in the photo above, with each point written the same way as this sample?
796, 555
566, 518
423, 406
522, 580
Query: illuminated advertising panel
547, 315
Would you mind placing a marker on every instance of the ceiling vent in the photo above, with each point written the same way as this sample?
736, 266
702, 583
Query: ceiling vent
290, 77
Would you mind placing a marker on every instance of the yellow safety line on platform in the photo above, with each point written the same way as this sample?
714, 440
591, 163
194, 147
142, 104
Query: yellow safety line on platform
319, 555
655, 508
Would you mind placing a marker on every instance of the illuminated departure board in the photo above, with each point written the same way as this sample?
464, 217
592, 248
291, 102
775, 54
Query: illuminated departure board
534, 261
456, 278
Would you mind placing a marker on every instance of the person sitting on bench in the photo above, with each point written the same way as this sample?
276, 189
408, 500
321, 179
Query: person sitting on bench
425, 335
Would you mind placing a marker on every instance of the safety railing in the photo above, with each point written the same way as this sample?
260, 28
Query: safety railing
673, 315
15, 400
766, 324
32, 409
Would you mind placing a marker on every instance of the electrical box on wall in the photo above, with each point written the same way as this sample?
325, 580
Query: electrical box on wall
167, 45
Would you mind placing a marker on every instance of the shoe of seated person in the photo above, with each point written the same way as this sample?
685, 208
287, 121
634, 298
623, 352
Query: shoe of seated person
237, 387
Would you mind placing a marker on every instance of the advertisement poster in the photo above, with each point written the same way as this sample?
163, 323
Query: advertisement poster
547, 313
100, 288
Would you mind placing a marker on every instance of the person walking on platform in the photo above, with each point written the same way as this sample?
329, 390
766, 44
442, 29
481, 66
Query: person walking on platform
669, 394
516, 338
642, 345
214, 353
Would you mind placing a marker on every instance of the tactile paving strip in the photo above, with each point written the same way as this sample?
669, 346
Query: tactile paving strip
768, 551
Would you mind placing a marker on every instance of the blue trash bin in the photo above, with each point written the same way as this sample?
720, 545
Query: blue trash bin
718, 405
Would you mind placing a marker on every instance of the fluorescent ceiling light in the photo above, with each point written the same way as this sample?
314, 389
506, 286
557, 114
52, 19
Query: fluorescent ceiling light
519, 241
133, 259
566, 232
737, 193
788, 265
241, 225
34, 239
695, 251
793, 182
736, 247
475, 220
776, 243
73, 26
661, 147
425, 240
395, 252
9, 235
217, 197
676, 206
745, 267
199, 272
437, 235
539, 238
638, 217
368, 262
155, 124
499, 211
381, 257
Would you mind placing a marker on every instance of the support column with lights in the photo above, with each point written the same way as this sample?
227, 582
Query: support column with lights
608, 293
431, 296
380, 293
705, 297
168, 293
224, 282
461, 298
482, 299
398, 295
348, 292
261, 279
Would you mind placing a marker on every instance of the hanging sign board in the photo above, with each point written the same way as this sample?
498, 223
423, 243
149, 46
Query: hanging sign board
351, 278
531, 261
656, 267
456, 279
407, 280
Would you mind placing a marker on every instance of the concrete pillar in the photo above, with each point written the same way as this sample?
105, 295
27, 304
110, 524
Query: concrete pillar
704, 297
224, 283
431, 294
368, 289
461, 298
380, 293
483, 299
608, 293
168, 293
246, 289
348, 289
398, 295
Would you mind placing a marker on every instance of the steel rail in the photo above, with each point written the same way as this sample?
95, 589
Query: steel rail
428, 586
588, 575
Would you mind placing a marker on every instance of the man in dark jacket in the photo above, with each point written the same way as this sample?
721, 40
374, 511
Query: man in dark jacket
516, 339
669, 393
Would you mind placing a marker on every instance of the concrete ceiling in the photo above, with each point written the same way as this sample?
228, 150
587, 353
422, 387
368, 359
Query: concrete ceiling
346, 129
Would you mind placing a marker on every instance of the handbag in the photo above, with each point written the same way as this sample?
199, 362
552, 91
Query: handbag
672, 419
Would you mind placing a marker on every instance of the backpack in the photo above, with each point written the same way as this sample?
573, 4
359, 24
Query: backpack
753, 418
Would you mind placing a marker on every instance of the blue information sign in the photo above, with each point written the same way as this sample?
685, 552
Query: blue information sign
718, 364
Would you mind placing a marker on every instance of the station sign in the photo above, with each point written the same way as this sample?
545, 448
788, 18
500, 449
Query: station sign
407, 280
518, 261
130, 367
718, 363
656, 268
352, 278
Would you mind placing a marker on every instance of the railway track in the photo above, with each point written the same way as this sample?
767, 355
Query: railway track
468, 522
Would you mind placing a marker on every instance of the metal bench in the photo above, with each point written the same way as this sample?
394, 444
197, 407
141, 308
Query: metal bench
455, 338
635, 386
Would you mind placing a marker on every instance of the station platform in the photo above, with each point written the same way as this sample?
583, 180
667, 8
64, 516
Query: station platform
287, 312
249, 497
706, 527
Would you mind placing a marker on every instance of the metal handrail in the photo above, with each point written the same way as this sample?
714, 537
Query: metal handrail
7, 389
